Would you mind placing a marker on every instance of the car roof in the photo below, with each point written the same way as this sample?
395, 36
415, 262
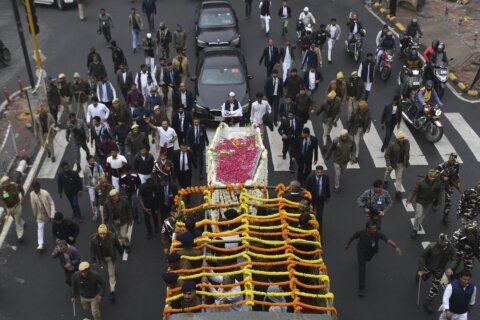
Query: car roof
215, 3
220, 50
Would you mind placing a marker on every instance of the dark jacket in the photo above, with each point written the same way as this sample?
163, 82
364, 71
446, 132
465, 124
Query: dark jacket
437, 259
289, 12
143, 166
355, 88
331, 110
359, 119
88, 287
122, 210
306, 79
392, 153
285, 109
312, 150
118, 57
73, 255
426, 192
292, 85
110, 243
365, 73
387, 114
174, 81
283, 51
149, 7
67, 228
311, 186
286, 128
268, 88
119, 114
265, 57
202, 138
124, 85
133, 142
187, 122
177, 161
177, 100
69, 183
120, 133
344, 151
172, 192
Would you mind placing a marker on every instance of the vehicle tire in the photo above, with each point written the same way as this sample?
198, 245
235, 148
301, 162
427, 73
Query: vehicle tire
433, 133
6, 55
440, 90
61, 5
385, 74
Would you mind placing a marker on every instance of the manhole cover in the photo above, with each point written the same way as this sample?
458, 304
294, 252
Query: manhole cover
24, 116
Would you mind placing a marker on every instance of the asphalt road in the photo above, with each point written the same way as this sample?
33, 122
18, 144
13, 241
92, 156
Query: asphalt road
31, 285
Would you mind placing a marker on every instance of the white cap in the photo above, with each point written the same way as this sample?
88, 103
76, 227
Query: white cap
305, 9
231, 94
149, 35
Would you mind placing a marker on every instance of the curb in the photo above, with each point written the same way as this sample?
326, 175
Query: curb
4, 104
460, 86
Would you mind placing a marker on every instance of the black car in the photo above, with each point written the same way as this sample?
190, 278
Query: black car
216, 24
219, 71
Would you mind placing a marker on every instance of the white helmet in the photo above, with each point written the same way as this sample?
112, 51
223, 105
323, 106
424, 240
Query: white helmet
305, 9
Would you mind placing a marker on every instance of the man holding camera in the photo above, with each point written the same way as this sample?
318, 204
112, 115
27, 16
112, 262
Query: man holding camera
375, 203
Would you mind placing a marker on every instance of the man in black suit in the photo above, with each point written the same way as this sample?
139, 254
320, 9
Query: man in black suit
391, 117
312, 79
290, 130
318, 185
287, 106
197, 139
273, 90
172, 78
124, 80
183, 164
167, 192
270, 57
306, 150
183, 97
181, 121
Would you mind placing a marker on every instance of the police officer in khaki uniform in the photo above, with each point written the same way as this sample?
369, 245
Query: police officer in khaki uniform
11, 201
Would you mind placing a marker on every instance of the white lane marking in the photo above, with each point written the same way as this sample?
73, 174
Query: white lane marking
408, 208
392, 177
335, 133
425, 244
49, 169
374, 145
320, 161
466, 132
129, 232
444, 147
417, 158
422, 231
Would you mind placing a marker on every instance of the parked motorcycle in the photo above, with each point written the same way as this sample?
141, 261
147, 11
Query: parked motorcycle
385, 64
409, 80
355, 47
410, 44
428, 124
5, 55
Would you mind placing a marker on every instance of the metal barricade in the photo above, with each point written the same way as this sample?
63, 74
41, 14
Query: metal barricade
8, 150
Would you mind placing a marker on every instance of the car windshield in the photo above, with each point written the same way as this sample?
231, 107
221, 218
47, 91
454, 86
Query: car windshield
216, 17
224, 75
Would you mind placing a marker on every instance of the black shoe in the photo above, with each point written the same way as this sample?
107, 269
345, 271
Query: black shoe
361, 292
53, 159
49, 154
336, 190
383, 149
127, 249
284, 156
413, 234
428, 306
329, 61
20, 240
385, 184
398, 194
112, 296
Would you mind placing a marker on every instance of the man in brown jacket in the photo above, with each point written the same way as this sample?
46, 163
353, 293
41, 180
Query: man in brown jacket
339, 86
397, 158
118, 214
11, 201
355, 91
44, 130
343, 149
359, 123
181, 65
331, 113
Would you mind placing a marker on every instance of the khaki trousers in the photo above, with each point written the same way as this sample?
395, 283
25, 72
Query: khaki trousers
48, 142
16, 213
398, 176
121, 230
420, 212
327, 128
93, 305
339, 170
67, 104
111, 272
357, 138
352, 106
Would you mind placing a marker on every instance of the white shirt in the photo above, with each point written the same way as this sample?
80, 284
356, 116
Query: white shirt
284, 13
227, 111
166, 136
184, 161
146, 89
100, 110
275, 86
118, 162
355, 28
124, 76
394, 109
143, 79
181, 116
333, 31
103, 87
183, 97
288, 57
258, 111
311, 80
448, 293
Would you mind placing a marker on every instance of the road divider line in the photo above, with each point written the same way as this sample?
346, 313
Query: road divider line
417, 158
276, 146
469, 135
374, 145
408, 208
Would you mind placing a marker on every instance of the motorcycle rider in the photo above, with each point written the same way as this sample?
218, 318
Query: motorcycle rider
381, 34
449, 173
355, 26
437, 57
307, 17
466, 241
430, 50
387, 43
413, 30
413, 63
424, 96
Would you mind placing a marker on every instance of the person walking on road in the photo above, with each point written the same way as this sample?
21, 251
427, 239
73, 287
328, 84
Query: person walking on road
135, 139
164, 38
448, 172
287, 56
439, 257
168, 229
469, 204
339, 86
260, 109
343, 149
365, 70
179, 39
81, 9
458, 298
285, 13
466, 241
124, 80
248, 8
53, 99
355, 92
118, 57
135, 26
397, 157
102, 190
273, 91
130, 182
70, 183
367, 248
44, 125
290, 129
43, 209
105, 24
333, 31
359, 123
375, 202
106, 93
149, 8
81, 92
91, 176
197, 140
69, 259
65, 92
331, 110
79, 133
90, 286
318, 185
427, 191
305, 150
391, 117
270, 57
147, 199
11, 200
143, 163
149, 46
64, 229
118, 214
104, 246
181, 65
265, 6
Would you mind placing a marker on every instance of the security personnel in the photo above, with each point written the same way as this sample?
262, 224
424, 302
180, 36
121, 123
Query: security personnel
449, 176
467, 243
11, 201
168, 229
469, 204
438, 257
